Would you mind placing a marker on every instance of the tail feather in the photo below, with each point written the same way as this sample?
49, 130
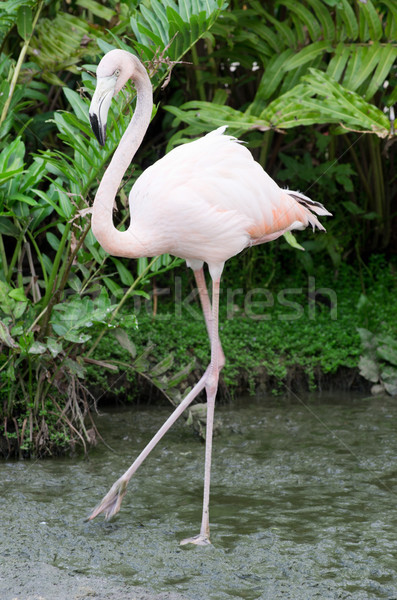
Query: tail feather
312, 205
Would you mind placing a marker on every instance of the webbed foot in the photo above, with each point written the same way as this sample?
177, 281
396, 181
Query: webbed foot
198, 540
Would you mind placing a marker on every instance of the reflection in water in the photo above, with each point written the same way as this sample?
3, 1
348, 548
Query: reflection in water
303, 504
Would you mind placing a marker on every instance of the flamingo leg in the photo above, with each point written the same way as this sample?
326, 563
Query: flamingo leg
211, 386
111, 503
207, 311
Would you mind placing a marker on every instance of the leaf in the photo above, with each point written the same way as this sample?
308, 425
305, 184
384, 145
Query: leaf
176, 27
19, 309
5, 336
76, 338
163, 366
6, 303
56, 45
5, 176
54, 347
372, 19
180, 375
37, 348
388, 354
362, 63
80, 107
387, 340
292, 241
391, 387
8, 228
352, 208
205, 116
97, 9
271, 79
104, 45
124, 273
307, 55
113, 287
366, 336
284, 30
340, 105
74, 367
322, 13
306, 16
346, 13
24, 22
391, 23
368, 369
338, 62
66, 205
389, 379
18, 294
44, 196
124, 341
387, 56
53, 240
23, 198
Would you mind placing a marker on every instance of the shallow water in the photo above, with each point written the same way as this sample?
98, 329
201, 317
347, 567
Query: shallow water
303, 506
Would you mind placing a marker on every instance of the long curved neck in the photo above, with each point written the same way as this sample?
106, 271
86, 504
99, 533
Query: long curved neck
111, 239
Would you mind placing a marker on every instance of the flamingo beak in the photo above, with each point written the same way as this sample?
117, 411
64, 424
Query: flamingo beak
99, 107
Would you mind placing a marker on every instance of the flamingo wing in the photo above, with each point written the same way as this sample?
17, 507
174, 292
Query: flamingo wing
209, 199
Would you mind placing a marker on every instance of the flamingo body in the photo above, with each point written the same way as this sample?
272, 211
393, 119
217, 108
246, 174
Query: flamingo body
208, 200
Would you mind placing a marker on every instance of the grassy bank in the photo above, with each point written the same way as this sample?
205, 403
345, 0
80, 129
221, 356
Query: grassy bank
300, 334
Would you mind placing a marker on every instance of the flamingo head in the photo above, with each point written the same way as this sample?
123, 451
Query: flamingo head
114, 70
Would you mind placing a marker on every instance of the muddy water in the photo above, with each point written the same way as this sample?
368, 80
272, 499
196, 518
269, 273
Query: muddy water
304, 506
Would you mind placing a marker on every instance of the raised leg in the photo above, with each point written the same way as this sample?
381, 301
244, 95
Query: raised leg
111, 503
211, 386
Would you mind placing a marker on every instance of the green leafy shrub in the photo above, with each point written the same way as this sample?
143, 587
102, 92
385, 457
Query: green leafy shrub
378, 362
56, 285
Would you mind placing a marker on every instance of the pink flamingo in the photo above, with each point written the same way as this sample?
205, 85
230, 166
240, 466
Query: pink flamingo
205, 202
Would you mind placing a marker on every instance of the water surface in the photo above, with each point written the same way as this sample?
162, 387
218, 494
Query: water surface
303, 506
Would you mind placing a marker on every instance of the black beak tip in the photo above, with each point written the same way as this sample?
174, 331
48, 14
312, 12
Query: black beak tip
98, 130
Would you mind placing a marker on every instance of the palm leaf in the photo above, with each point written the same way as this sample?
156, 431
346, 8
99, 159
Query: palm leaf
391, 22
368, 58
284, 31
345, 14
172, 28
387, 56
205, 116
370, 17
339, 61
325, 19
307, 54
304, 15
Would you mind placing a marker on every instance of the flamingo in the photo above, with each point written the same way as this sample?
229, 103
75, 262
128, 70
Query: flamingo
205, 201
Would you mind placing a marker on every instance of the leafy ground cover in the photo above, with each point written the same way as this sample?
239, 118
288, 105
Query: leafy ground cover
304, 333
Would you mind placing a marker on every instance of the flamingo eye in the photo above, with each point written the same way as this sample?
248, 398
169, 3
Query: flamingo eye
117, 72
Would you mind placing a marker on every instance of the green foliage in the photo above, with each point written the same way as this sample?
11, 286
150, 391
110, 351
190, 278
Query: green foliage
269, 342
328, 68
57, 45
161, 27
378, 362
51, 297
319, 66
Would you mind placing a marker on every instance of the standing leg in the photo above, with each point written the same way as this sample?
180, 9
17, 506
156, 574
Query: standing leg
211, 386
207, 310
